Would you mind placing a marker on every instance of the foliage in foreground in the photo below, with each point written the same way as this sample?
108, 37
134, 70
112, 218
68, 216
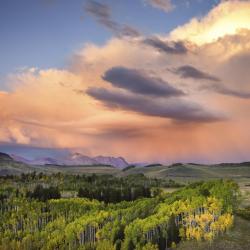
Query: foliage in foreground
200, 211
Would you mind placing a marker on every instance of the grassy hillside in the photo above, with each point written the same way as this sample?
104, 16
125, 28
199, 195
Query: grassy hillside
180, 172
9, 166
190, 172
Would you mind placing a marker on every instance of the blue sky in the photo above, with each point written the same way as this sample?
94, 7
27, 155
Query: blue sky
45, 33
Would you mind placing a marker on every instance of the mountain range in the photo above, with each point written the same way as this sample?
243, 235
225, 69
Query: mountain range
74, 159
81, 164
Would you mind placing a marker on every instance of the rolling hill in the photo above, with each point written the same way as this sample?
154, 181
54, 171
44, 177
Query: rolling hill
10, 166
180, 172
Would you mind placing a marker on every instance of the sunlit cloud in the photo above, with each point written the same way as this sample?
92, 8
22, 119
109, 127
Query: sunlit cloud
225, 19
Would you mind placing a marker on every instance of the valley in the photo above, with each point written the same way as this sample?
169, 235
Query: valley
107, 207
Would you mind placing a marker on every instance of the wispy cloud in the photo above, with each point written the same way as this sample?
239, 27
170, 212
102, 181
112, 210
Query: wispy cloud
165, 5
103, 14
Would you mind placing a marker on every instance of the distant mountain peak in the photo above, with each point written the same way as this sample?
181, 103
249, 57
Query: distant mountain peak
71, 159
75, 155
119, 162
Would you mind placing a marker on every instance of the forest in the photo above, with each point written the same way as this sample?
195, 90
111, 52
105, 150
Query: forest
59, 211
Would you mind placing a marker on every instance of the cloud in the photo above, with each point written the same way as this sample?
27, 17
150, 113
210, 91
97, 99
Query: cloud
222, 89
2, 93
166, 46
99, 10
129, 31
235, 69
31, 98
188, 71
174, 109
227, 18
165, 5
102, 13
121, 132
51, 108
139, 82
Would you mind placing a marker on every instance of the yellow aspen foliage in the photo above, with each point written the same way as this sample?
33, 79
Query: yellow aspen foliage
105, 245
173, 245
182, 233
150, 246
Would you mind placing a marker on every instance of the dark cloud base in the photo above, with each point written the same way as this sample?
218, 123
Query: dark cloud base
178, 110
188, 71
139, 82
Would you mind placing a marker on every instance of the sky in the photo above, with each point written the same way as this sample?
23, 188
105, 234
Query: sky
149, 80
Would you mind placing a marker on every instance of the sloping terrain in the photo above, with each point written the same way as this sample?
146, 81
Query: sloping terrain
9, 166
193, 172
180, 172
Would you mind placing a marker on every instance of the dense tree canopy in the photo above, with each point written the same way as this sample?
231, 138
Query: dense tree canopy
110, 213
